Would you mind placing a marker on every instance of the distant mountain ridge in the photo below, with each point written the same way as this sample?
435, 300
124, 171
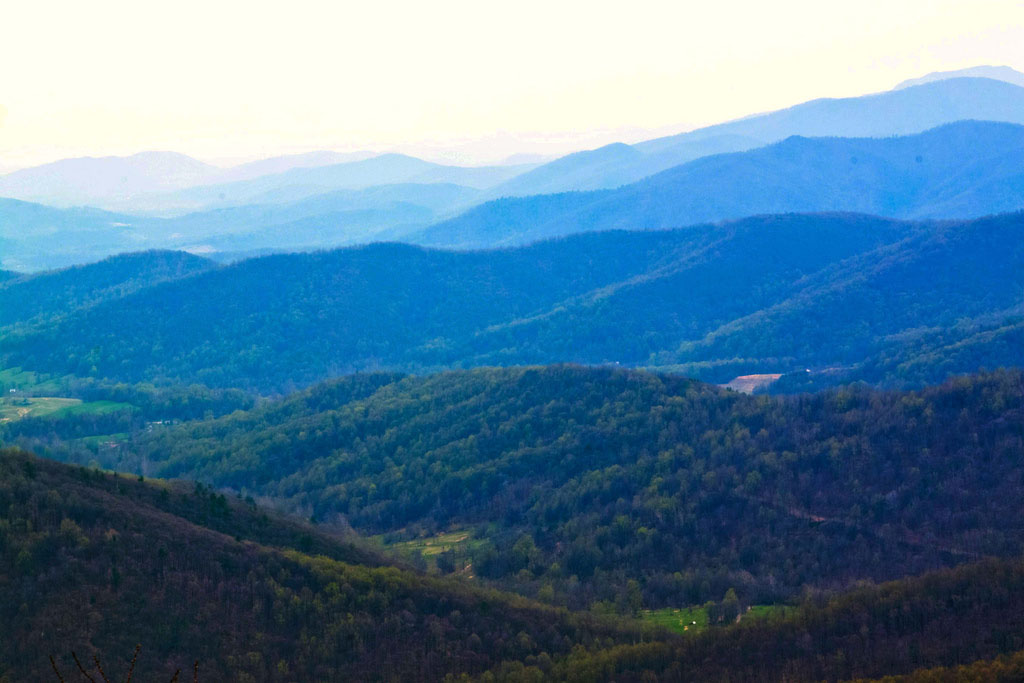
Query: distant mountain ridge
846, 295
996, 73
91, 180
905, 111
40, 237
155, 182
299, 183
959, 170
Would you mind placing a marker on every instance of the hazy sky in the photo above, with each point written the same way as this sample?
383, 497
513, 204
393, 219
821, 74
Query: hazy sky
238, 80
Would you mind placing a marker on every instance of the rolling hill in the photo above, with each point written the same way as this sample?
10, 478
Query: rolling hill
331, 219
846, 296
95, 563
105, 180
36, 237
959, 626
910, 108
299, 183
577, 481
31, 299
960, 170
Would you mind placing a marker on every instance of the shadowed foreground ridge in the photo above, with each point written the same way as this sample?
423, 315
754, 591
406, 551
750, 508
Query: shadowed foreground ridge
96, 563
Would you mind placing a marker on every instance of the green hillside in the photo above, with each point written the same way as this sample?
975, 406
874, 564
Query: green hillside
571, 484
848, 297
95, 563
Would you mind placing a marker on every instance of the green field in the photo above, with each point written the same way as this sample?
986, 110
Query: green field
431, 545
17, 408
680, 620
103, 439
695, 619
25, 380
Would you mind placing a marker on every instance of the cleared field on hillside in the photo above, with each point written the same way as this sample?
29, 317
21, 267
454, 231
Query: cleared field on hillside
17, 408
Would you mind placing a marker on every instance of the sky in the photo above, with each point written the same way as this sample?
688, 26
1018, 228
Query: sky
470, 82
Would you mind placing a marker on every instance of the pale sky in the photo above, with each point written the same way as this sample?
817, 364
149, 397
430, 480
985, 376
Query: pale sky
473, 81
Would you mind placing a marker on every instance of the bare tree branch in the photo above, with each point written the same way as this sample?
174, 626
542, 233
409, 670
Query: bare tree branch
100, 669
131, 671
55, 670
81, 668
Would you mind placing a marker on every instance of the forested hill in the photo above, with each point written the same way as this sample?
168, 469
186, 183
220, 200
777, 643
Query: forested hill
961, 170
95, 563
847, 296
573, 481
42, 297
959, 626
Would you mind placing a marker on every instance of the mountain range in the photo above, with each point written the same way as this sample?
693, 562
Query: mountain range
845, 296
153, 577
904, 111
960, 170
167, 182
324, 199
655, 412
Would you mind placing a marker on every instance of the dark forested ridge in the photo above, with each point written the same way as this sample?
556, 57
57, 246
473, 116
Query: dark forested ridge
39, 298
846, 296
96, 563
926, 628
962, 170
574, 482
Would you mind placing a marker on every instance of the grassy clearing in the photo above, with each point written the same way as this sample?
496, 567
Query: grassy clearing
26, 380
434, 545
100, 440
680, 620
19, 408
461, 542
695, 619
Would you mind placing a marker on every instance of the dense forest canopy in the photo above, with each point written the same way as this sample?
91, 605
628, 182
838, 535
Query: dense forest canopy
925, 628
573, 482
846, 297
96, 563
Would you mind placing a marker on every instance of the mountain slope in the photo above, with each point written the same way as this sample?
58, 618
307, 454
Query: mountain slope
36, 298
894, 292
588, 478
896, 112
961, 170
299, 183
96, 563
943, 619
280, 164
404, 307
762, 295
995, 73
105, 180
910, 108
37, 237
324, 220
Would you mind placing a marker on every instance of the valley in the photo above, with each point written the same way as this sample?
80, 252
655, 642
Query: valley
741, 402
